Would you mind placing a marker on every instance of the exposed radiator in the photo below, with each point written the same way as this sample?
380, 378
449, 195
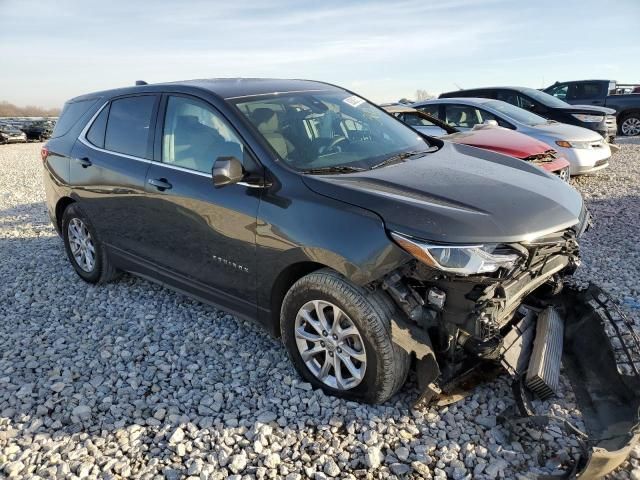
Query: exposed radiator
543, 374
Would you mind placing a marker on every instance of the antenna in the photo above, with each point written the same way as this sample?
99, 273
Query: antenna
141, 82
459, 87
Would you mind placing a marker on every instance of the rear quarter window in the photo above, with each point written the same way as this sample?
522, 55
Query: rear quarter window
96, 132
71, 113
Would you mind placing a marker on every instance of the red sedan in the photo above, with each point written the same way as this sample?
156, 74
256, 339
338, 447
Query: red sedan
488, 137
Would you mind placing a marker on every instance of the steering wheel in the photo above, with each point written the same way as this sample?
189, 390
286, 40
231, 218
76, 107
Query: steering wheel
333, 145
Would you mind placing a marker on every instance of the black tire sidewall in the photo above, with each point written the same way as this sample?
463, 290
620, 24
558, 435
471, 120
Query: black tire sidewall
367, 389
71, 212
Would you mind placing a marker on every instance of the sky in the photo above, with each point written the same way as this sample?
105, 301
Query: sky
53, 50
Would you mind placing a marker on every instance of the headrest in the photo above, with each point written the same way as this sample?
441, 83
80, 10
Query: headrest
266, 120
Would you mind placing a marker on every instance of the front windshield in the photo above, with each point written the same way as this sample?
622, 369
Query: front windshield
516, 113
328, 129
544, 98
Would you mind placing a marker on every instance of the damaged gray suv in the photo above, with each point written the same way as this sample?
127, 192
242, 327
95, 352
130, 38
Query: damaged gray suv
368, 247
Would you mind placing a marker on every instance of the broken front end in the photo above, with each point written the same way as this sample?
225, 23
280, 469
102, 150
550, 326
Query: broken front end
470, 309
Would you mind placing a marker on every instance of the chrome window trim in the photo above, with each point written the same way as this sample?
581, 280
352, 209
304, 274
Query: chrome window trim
83, 139
83, 134
279, 93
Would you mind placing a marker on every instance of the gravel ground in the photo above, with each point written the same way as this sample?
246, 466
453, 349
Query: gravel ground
133, 380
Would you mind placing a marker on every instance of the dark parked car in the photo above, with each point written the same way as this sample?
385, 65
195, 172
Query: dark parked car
38, 130
364, 244
603, 92
598, 119
11, 134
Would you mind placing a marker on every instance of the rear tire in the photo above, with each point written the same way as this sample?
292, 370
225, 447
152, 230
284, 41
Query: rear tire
630, 125
85, 251
382, 366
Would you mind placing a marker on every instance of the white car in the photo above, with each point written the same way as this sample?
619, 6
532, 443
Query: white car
585, 149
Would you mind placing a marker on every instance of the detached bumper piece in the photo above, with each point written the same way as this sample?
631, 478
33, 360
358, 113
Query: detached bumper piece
599, 349
602, 360
601, 357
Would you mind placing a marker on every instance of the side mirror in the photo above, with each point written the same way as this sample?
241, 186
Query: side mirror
491, 123
227, 170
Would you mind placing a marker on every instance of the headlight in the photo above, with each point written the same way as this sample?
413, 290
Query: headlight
567, 144
584, 117
460, 259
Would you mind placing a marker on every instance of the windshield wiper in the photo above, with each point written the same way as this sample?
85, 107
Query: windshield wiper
401, 157
333, 169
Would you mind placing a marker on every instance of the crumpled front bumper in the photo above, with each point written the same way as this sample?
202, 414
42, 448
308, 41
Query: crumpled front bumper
601, 358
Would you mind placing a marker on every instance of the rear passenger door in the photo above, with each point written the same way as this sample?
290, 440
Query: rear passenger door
201, 236
109, 167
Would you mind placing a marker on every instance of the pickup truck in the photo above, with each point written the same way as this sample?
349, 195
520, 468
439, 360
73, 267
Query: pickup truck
604, 93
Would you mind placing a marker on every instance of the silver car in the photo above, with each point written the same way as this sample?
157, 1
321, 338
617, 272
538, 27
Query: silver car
585, 149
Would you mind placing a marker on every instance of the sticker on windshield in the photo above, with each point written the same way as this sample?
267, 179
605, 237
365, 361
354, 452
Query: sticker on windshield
354, 101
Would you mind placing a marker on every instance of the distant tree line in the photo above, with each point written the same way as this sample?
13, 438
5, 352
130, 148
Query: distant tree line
10, 110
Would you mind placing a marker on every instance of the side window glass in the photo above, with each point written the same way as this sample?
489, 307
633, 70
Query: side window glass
507, 96
463, 116
195, 136
96, 132
524, 102
433, 110
129, 124
484, 116
415, 120
586, 91
560, 91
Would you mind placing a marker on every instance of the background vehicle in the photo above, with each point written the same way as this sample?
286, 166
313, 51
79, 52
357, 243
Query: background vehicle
598, 119
487, 136
365, 245
585, 150
10, 134
37, 130
605, 93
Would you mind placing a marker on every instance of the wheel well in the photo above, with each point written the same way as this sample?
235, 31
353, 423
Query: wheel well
626, 113
283, 283
61, 206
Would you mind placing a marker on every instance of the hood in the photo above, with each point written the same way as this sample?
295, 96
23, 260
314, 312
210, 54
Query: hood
585, 109
564, 131
501, 140
459, 194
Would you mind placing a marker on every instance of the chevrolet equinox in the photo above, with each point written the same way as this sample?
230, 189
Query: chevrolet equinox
367, 246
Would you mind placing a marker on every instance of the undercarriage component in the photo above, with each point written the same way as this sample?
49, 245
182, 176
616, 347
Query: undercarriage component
543, 374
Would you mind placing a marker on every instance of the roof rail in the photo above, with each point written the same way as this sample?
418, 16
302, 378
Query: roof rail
141, 82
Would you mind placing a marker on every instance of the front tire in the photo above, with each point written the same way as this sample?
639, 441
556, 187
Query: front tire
84, 249
338, 336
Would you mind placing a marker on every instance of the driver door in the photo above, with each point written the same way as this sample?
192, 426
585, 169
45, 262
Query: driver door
200, 236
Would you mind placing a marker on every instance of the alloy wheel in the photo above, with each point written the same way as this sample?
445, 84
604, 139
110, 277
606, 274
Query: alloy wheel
631, 126
81, 244
330, 345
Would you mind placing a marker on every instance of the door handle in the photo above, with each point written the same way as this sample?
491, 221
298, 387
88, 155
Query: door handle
160, 183
84, 162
